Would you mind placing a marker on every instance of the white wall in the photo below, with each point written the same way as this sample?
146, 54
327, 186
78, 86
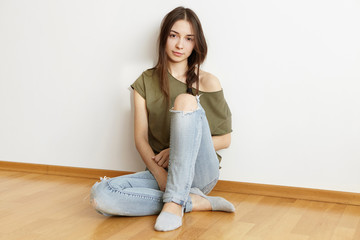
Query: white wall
290, 71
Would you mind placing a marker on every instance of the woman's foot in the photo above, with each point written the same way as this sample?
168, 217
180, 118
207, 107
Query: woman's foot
201, 202
221, 204
173, 208
170, 217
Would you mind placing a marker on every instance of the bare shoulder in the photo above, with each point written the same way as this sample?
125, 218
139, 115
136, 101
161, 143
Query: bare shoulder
209, 82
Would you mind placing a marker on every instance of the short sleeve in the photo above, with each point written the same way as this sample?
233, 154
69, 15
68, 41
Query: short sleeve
217, 112
224, 125
139, 86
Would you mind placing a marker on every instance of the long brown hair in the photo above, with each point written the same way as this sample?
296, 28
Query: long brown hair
197, 56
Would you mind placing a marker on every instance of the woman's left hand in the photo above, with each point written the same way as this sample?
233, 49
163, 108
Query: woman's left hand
162, 159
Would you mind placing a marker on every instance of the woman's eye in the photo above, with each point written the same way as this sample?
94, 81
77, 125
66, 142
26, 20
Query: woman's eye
190, 39
172, 35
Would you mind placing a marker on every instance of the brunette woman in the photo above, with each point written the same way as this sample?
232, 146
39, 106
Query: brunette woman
176, 136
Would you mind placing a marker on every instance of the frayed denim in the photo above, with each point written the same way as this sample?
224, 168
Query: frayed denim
193, 163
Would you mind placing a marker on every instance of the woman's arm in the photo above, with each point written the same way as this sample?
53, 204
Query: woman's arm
210, 83
221, 142
142, 143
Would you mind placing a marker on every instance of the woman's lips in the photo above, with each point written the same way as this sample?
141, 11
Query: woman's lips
178, 54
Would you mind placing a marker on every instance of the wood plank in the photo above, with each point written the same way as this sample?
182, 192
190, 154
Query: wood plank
56, 207
60, 170
222, 185
289, 192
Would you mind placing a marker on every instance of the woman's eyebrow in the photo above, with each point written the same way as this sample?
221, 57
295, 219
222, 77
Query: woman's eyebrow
189, 35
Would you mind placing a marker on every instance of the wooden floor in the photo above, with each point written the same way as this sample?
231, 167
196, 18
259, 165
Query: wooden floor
36, 206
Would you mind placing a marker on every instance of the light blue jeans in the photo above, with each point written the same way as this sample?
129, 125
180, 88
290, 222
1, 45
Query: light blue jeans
193, 163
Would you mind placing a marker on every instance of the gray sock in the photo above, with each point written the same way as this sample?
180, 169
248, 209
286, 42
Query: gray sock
220, 204
167, 221
217, 203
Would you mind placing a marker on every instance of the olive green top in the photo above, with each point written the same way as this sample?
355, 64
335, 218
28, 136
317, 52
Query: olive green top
148, 86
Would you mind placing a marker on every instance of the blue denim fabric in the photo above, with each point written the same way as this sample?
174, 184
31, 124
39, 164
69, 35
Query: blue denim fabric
193, 163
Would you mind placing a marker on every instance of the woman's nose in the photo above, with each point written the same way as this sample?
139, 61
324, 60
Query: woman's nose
180, 44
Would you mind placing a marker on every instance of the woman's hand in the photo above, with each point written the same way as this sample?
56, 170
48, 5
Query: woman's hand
162, 159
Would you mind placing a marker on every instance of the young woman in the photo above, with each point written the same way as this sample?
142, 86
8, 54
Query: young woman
176, 137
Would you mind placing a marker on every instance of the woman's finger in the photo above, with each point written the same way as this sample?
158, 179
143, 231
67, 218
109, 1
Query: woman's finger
166, 164
161, 162
157, 158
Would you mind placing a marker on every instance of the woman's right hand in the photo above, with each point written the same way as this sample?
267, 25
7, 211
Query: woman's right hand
162, 159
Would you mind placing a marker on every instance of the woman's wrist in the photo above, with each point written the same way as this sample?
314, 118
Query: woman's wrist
161, 178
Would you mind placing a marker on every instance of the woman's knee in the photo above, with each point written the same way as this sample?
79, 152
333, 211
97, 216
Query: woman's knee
98, 197
185, 102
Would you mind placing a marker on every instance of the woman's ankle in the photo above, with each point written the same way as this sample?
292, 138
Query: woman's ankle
173, 208
199, 203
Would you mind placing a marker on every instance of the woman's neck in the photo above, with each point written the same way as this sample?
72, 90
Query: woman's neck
178, 70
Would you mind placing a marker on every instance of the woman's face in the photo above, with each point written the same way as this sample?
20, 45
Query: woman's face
180, 42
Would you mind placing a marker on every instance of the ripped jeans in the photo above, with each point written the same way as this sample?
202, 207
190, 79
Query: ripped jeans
193, 163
